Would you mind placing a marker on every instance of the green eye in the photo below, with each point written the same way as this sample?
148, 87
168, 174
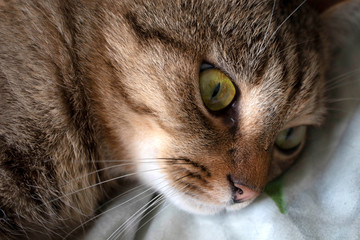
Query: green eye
217, 90
290, 138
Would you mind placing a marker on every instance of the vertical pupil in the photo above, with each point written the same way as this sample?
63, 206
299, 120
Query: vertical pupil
289, 132
216, 90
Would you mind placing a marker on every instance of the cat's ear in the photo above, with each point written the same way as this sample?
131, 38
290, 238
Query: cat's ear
342, 21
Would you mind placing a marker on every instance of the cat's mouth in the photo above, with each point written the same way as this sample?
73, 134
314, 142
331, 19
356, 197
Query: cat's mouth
203, 186
222, 196
194, 188
193, 205
215, 196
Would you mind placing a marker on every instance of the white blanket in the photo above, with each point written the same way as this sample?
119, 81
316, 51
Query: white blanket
318, 198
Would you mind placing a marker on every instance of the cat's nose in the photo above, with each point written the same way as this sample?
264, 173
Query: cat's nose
243, 193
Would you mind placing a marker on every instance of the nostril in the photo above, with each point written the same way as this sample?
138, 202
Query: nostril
241, 192
237, 195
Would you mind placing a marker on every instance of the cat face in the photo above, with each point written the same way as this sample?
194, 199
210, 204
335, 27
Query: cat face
213, 148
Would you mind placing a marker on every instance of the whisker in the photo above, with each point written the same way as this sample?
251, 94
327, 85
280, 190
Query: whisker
117, 233
117, 206
139, 214
98, 215
297, 44
48, 231
277, 29
113, 208
267, 29
347, 74
141, 160
336, 85
99, 183
109, 180
94, 172
143, 215
176, 182
128, 191
115, 166
139, 186
51, 213
25, 231
157, 214
342, 100
166, 206
182, 177
120, 195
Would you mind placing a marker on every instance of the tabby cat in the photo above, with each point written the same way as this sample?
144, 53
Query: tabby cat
205, 101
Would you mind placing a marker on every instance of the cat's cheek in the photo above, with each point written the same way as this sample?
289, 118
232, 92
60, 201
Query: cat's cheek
147, 149
194, 206
149, 169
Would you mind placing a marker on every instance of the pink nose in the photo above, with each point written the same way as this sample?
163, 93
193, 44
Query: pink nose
243, 193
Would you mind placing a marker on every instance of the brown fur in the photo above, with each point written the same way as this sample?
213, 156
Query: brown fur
86, 81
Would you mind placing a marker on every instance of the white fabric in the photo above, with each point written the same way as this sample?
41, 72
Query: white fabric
321, 191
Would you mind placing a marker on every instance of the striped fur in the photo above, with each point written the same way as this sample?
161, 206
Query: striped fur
82, 82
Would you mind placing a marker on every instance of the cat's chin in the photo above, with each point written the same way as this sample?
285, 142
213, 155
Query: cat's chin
196, 206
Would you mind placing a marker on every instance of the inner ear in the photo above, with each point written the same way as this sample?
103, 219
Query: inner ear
323, 5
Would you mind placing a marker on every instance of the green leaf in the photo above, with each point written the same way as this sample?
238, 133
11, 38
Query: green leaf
274, 190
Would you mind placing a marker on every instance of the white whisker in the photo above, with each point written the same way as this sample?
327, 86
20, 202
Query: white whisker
341, 76
135, 216
166, 206
267, 29
102, 182
157, 214
128, 191
336, 85
120, 195
94, 172
294, 45
129, 163
342, 100
277, 29
140, 160
113, 208
140, 213
119, 205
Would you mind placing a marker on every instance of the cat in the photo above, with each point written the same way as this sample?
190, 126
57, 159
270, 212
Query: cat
205, 101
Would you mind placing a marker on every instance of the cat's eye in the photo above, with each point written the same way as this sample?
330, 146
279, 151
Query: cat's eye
217, 90
290, 139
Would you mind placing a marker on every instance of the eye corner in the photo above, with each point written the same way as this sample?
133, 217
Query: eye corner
205, 66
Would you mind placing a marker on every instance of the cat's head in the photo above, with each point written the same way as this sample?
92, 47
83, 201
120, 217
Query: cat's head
210, 99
